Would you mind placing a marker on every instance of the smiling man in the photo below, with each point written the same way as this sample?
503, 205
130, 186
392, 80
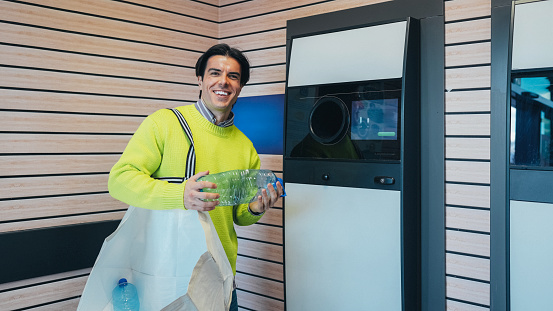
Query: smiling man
158, 150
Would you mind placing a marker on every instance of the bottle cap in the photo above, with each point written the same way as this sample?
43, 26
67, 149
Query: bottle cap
122, 281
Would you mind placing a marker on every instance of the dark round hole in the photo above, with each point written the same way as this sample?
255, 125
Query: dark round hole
329, 120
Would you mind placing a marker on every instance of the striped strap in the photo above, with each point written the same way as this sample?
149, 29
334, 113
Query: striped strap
191, 156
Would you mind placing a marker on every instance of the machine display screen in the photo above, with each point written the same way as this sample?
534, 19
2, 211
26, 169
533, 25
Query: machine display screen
374, 119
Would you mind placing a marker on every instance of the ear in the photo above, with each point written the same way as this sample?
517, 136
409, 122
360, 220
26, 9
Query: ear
199, 81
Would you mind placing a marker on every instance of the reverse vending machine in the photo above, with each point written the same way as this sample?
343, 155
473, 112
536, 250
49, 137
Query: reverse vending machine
351, 169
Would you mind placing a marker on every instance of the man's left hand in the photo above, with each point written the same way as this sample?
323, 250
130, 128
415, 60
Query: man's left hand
266, 201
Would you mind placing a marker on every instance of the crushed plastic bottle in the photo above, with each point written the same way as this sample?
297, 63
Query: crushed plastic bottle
125, 297
240, 186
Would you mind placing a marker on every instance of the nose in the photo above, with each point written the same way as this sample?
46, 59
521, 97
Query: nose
223, 79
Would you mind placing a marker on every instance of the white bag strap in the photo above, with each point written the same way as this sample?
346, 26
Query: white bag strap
190, 157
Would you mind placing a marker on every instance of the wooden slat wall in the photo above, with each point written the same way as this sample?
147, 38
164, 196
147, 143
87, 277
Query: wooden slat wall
467, 165
76, 79
78, 76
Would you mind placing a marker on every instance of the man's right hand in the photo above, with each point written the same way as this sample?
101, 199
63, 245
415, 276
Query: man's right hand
194, 199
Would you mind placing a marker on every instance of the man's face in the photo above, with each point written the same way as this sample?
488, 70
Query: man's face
221, 84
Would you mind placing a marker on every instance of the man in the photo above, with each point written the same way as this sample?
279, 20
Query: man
159, 148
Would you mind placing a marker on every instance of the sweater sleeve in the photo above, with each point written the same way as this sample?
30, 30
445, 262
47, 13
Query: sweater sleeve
242, 215
130, 178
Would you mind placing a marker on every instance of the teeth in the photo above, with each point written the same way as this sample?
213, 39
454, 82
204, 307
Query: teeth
221, 93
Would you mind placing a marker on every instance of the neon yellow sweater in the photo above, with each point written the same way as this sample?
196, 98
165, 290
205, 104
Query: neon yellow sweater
159, 148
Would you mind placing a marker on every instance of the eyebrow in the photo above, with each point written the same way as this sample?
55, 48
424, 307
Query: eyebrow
219, 70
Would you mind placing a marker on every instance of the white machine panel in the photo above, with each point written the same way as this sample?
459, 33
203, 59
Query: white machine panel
531, 255
361, 54
343, 248
532, 33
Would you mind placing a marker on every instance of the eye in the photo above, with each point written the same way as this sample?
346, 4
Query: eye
234, 77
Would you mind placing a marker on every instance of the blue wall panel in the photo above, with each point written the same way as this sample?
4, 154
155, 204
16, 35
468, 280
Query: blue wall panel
261, 118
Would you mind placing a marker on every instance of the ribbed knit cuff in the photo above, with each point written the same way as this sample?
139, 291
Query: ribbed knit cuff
254, 213
173, 196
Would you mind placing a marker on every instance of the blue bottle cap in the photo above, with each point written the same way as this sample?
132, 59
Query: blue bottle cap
122, 282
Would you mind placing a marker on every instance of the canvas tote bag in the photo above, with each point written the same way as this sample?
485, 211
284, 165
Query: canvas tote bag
173, 257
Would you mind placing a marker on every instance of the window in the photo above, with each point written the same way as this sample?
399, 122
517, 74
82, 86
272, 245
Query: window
531, 115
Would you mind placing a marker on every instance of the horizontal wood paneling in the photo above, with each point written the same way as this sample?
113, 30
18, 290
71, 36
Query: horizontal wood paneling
66, 41
467, 219
467, 171
69, 82
267, 56
271, 162
467, 78
44, 17
467, 101
61, 221
468, 290
136, 13
206, 9
42, 293
468, 124
260, 250
268, 74
263, 90
29, 57
468, 54
277, 19
56, 164
452, 305
260, 232
469, 31
467, 195
468, 267
269, 39
467, 73
52, 185
467, 243
467, 148
464, 9
62, 143
261, 268
70, 304
55, 206
64, 102
255, 302
67, 123
69, 73
272, 217
227, 2
251, 283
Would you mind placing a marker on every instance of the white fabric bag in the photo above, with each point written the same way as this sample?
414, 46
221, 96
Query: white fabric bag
174, 258
160, 252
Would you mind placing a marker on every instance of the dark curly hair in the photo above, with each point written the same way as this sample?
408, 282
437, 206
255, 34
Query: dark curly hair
224, 49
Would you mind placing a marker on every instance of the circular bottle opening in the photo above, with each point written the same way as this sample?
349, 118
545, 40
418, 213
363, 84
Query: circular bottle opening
329, 120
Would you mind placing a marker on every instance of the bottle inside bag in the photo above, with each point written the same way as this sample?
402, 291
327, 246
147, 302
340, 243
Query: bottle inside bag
125, 297
240, 186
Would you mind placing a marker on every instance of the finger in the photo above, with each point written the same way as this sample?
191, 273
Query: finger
207, 196
272, 192
200, 205
198, 175
280, 189
266, 200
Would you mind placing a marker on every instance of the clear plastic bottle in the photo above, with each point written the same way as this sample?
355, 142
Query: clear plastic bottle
240, 186
125, 297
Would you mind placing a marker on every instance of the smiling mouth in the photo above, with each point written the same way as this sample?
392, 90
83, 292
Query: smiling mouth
221, 93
